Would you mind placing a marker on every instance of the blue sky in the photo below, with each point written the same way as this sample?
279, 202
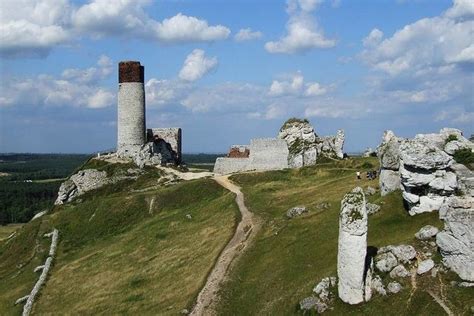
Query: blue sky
228, 71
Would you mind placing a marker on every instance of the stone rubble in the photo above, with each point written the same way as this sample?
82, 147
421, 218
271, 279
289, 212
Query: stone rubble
296, 211
394, 287
399, 272
385, 262
427, 232
352, 247
372, 208
425, 266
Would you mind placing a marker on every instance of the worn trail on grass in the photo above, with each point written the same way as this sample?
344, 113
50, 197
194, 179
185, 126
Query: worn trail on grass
244, 233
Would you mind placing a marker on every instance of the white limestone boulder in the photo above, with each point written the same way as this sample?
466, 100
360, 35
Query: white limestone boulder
457, 239
425, 266
427, 232
352, 247
389, 181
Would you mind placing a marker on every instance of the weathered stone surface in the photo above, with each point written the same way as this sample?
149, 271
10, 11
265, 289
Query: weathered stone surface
404, 253
394, 287
352, 247
410, 198
425, 266
399, 272
389, 181
426, 232
308, 303
332, 146
322, 289
79, 183
372, 208
427, 203
389, 151
369, 152
465, 179
301, 140
296, 211
421, 154
377, 285
456, 240
226, 165
385, 262
167, 142
370, 191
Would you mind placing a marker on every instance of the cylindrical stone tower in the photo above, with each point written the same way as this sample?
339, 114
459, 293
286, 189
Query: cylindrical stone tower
131, 108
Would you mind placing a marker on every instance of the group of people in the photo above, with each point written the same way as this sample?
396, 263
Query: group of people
371, 175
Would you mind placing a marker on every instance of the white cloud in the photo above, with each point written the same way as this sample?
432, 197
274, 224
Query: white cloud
303, 34
33, 27
182, 28
100, 99
197, 65
295, 85
463, 9
374, 38
75, 87
426, 62
247, 35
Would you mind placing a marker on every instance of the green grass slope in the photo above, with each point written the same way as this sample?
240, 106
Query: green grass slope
123, 249
289, 257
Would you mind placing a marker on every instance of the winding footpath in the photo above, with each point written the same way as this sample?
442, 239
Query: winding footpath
246, 230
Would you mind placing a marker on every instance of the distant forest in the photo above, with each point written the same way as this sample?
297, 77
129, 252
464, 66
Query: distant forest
29, 183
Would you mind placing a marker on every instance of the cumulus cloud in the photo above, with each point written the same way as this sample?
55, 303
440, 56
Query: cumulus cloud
247, 35
426, 62
374, 38
33, 27
295, 85
197, 65
182, 28
302, 31
75, 87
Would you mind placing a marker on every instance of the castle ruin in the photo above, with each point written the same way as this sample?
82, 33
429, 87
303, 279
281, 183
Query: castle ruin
134, 140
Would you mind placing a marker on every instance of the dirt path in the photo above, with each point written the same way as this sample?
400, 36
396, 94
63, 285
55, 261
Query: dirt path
246, 230
441, 303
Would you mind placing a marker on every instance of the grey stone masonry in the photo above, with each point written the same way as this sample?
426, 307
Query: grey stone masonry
131, 109
171, 136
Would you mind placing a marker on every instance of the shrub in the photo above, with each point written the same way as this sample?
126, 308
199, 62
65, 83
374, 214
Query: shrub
451, 138
293, 120
465, 156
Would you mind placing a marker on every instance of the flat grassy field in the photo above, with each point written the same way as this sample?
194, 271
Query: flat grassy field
122, 252
289, 257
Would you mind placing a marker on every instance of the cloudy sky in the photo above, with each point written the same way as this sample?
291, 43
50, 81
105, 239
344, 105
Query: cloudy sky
230, 70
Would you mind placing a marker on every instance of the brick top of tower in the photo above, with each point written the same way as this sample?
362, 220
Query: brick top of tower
131, 71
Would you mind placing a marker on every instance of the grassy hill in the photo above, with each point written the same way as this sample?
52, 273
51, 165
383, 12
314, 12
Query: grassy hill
131, 248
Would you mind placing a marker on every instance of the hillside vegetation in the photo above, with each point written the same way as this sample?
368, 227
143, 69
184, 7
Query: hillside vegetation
290, 256
123, 249
137, 247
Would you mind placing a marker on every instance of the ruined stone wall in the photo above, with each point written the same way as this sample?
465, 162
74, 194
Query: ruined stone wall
265, 154
225, 165
171, 136
131, 108
268, 154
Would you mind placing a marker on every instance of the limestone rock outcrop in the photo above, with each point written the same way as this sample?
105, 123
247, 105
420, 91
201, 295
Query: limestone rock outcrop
305, 146
457, 239
352, 247
389, 156
87, 180
79, 183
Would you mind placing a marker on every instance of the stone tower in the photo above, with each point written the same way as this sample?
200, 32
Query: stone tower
131, 108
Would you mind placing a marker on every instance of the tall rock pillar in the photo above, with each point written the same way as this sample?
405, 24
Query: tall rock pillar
131, 128
352, 247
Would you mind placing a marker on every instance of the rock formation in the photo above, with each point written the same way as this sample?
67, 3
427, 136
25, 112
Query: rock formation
352, 247
457, 239
389, 156
87, 180
305, 146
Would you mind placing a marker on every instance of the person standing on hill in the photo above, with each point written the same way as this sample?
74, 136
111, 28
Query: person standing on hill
358, 175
